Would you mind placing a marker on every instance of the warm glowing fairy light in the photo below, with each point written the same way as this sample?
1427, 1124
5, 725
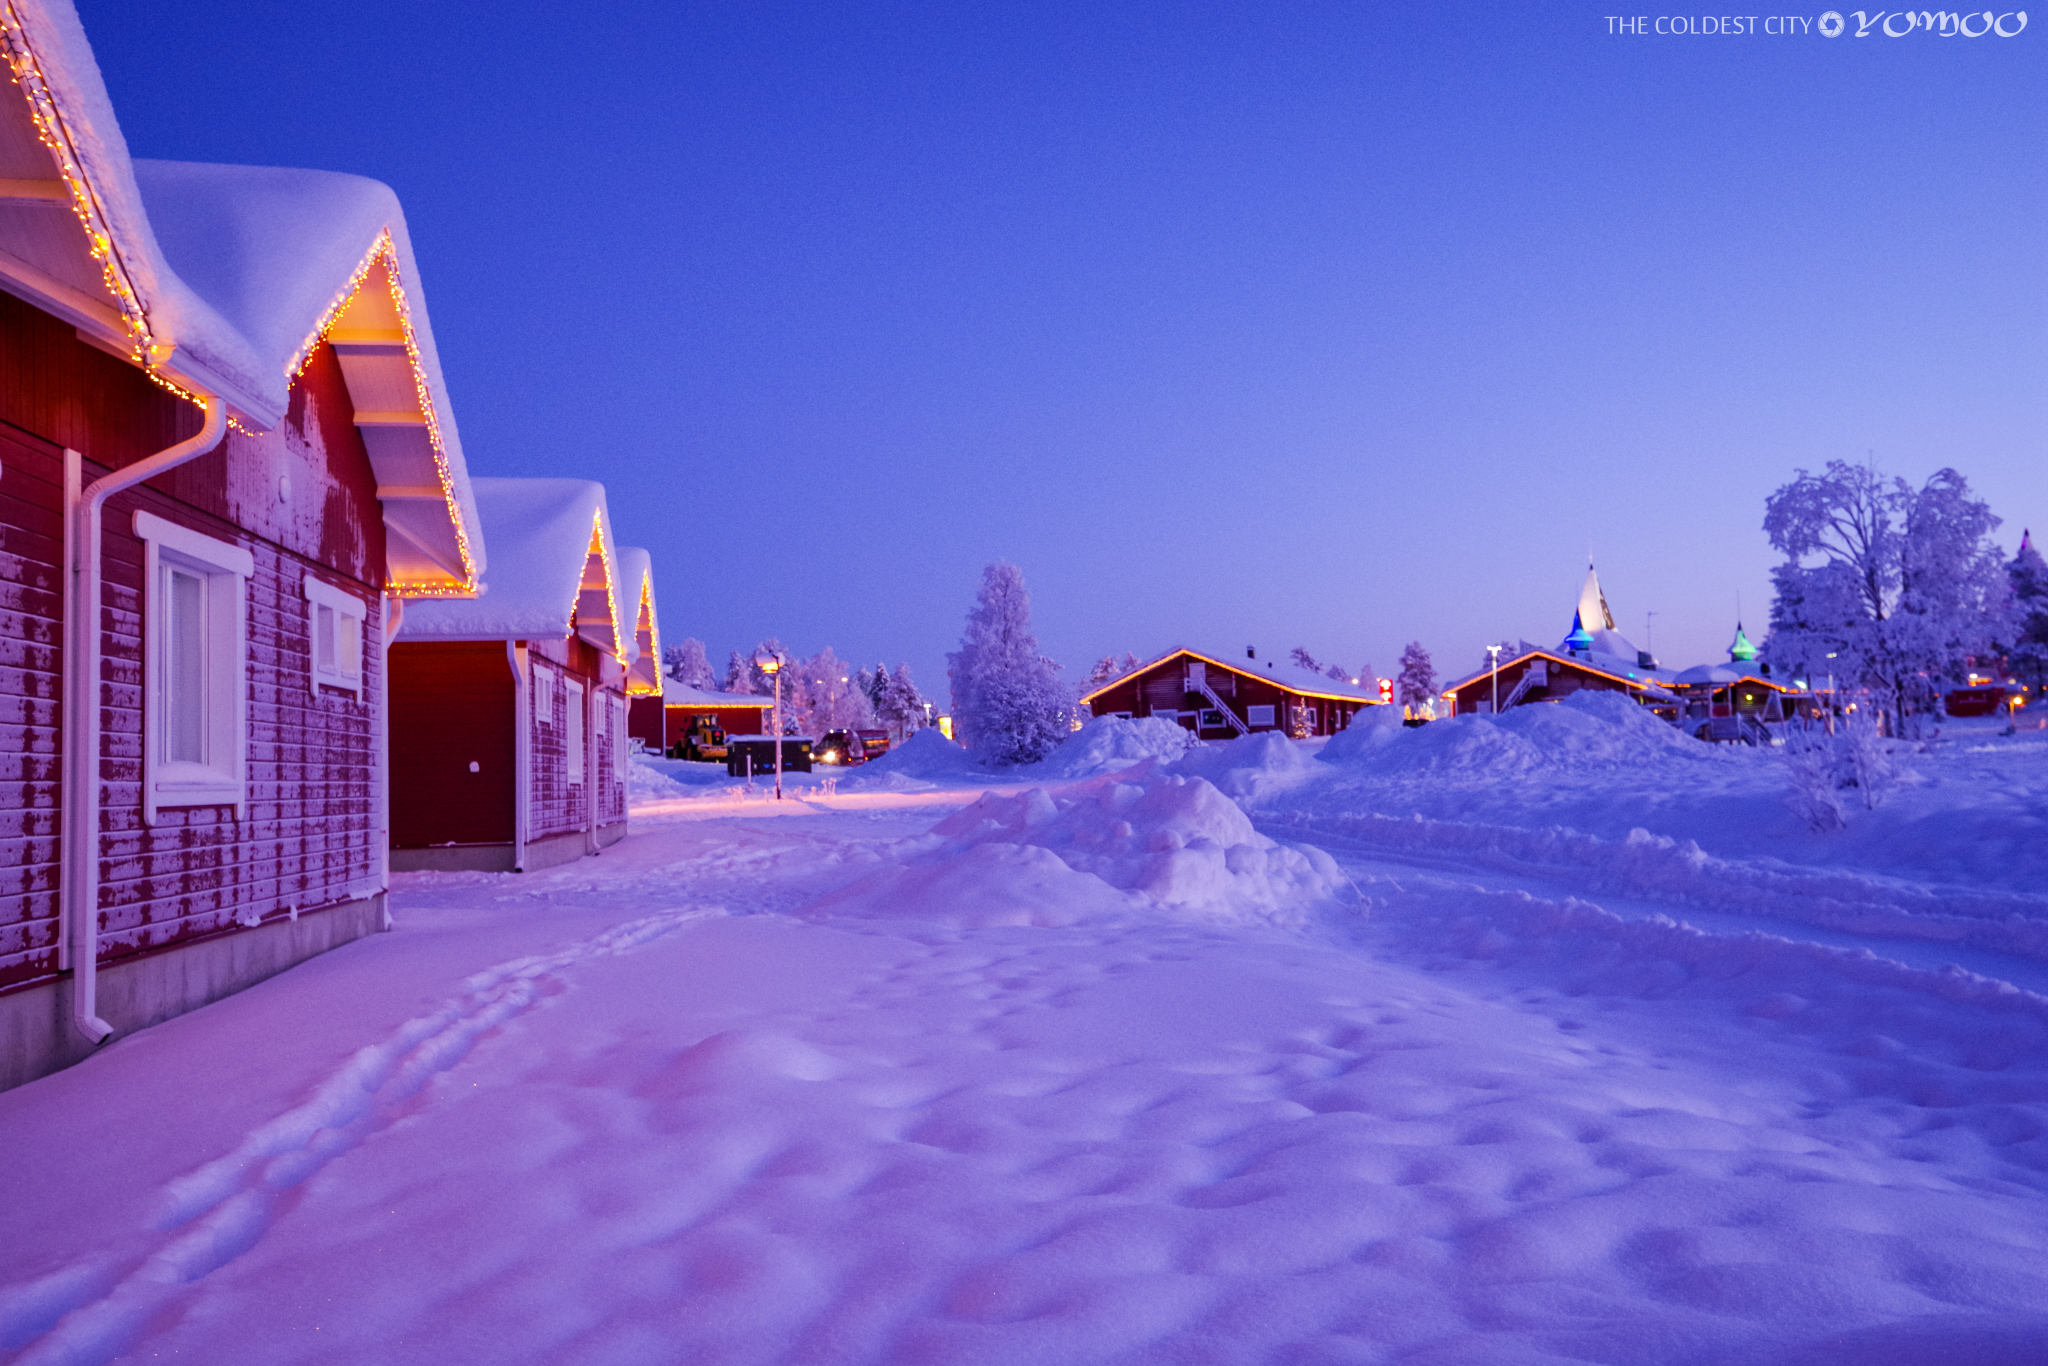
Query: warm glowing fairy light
384, 251
611, 599
27, 74
653, 651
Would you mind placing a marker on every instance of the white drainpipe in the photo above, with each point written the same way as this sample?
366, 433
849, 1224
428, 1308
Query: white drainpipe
592, 780
394, 622
81, 723
522, 751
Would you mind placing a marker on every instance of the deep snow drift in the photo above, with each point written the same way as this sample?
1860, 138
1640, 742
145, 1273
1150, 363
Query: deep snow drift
1106, 1061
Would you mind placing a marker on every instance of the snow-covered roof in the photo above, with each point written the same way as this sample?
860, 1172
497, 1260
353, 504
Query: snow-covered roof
674, 694
1724, 673
556, 565
1655, 682
636, 600
1284, 673
221, 279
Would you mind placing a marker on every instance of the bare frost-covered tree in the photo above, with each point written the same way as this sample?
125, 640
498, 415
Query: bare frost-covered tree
1007, 704
1889, 588
686, 664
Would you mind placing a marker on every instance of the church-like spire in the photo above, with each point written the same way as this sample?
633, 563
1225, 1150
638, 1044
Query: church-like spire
1593, 612
1740, 651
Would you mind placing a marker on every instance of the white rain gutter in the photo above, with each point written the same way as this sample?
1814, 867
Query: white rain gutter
522, 751
80, 865
394, 622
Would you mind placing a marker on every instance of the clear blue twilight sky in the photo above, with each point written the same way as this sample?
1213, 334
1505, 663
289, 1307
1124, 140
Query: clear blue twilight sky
1287, 324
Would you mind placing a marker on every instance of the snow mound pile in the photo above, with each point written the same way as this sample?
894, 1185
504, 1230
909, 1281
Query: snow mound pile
1109, 743
650, 780
1162, 846
1586, 730
926, 759
1250, 767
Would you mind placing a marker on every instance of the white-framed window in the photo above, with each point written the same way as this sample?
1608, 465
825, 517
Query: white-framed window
572, 735
1259, 717
619, 705
544, 696
195, 689
334, 622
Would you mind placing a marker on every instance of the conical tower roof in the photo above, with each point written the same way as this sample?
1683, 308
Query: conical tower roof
1740, 651
1593, 611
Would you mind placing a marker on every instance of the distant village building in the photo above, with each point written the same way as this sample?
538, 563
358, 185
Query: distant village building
1217, 698
1593, 656
662, 723
509, 710
226, 454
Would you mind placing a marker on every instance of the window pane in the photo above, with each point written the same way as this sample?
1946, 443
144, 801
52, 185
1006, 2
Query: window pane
185, 667
323, 639
351, 647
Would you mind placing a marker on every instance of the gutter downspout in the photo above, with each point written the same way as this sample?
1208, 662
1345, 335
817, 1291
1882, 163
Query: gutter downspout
522, 751
394, 622
80, 864
592, 780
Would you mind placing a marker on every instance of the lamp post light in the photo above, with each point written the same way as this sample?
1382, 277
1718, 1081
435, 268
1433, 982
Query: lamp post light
1493, 654
770, 663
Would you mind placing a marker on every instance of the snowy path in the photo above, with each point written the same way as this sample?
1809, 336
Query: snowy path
653, 1109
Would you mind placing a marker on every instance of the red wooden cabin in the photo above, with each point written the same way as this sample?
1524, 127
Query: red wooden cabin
662, 722
508, 725
1218, 698
643, 674
192, 682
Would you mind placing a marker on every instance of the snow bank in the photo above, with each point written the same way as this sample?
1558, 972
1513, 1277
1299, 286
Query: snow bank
1109, 743
926, 760
1586, 730
1164, 845
1251, 767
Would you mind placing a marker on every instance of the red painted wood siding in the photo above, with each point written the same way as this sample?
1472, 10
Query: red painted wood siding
309, 836
558, 805
31, 684
451, 706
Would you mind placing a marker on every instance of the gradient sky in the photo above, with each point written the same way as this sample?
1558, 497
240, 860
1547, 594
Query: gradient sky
1287, 324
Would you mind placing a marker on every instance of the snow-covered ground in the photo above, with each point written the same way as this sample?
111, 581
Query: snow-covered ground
1557, 1038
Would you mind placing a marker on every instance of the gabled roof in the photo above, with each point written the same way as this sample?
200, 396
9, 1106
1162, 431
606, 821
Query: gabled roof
674, 694
1281, 673
1655, 684
636, 600
1725, 673
556, 570
224, 278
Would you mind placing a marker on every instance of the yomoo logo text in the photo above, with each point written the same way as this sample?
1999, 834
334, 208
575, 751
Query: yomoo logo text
1940, 23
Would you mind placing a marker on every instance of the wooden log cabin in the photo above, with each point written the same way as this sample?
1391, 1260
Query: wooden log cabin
1218, 698
225, 453
509, 709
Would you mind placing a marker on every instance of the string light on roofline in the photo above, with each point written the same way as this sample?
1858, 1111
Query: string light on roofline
384, 250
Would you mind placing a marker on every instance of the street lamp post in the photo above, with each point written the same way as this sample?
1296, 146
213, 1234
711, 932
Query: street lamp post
1493, 654
770, 663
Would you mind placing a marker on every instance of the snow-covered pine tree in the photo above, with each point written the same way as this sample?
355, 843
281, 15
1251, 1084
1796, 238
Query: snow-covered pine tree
686, 664
1336, 671
1007, 705
2028, 577
1301, 656
1129, 664
739, 674
1104, 670
901, 707
1416, 683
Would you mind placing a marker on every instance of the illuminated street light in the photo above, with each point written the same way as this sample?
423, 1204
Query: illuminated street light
770, 663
